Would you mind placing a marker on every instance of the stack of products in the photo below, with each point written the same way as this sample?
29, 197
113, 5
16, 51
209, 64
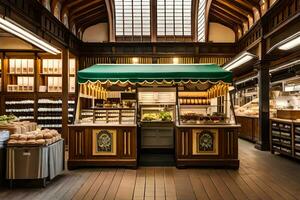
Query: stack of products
37, 137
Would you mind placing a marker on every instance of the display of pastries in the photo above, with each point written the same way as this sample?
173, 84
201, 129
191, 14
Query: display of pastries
36, 137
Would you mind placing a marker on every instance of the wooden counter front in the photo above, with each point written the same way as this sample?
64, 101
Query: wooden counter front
86, 150
249, 127
189, 151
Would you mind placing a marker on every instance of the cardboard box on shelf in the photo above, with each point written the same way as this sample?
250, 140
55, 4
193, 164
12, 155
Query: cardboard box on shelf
30, 65
12, 66
45, 66
18, 68
24, 66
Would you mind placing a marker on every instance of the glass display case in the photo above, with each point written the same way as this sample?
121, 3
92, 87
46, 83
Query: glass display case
107, 116
200, 107
162, 113
157, 104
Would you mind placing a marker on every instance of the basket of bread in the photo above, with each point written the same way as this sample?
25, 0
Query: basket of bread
37, 137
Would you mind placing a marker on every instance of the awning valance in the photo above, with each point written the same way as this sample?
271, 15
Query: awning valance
138, 73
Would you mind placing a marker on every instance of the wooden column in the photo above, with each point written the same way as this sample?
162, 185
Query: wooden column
264, 106
153, 21
65, 92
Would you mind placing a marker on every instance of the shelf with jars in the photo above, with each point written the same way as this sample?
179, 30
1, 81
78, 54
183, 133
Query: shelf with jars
22, 108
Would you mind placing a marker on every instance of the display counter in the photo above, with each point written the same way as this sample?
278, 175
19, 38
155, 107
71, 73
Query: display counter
127, 113
102, 145
207, 145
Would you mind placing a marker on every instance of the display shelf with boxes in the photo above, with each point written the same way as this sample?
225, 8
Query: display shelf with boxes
297, 141
282, 137
50, 75
20, 75
22, 108
72, 75
109, 116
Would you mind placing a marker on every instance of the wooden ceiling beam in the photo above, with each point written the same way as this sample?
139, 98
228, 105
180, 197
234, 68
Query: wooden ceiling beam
66, 4
219, 19
84, 25
98, 8
248, 3
233, 6
234, 20
82, 6
90, 16
233, 14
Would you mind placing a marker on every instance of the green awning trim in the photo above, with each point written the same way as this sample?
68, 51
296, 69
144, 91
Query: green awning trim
137, 73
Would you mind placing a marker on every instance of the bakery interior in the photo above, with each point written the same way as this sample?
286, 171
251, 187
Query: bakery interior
158, 99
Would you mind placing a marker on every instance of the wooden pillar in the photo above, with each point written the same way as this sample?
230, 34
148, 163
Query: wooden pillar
264, 106
65, 92
153, 17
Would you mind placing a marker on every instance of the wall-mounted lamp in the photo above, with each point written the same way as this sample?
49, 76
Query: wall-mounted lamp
290, 42
17, 30
135, 60
239, 60
175, 60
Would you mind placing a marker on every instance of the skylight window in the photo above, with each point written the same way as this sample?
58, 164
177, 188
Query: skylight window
132, 17
174, 17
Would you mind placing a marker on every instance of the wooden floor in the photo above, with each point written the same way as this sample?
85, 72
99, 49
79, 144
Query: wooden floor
261, 176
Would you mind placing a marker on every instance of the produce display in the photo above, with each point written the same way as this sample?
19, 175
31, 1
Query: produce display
192, 118
37, 137
165, 116
7, 118
161, 116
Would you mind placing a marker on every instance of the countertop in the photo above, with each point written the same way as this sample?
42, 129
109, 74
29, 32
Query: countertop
249, 116
208, 126
102, 125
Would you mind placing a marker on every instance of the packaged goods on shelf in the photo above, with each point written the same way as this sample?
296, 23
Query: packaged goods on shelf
21, 66
52, 66
72, 66
24, 84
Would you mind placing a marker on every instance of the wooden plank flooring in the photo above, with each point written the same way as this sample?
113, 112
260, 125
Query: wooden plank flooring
261, 176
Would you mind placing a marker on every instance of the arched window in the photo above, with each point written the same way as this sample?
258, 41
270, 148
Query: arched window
174, 17
57, 10
46, 4
132, 17
201, 20
66, 20
74, 29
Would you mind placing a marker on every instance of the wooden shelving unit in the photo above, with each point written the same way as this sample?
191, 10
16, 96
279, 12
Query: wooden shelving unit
285, 137
41, 90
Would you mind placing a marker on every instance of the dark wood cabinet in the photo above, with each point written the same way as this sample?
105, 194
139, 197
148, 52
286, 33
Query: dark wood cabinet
224, 152
249, 128
82, 147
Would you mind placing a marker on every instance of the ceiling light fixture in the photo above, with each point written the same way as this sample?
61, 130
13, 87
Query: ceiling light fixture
285, 66
290, 42
26, 35
247, 79
241, 59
